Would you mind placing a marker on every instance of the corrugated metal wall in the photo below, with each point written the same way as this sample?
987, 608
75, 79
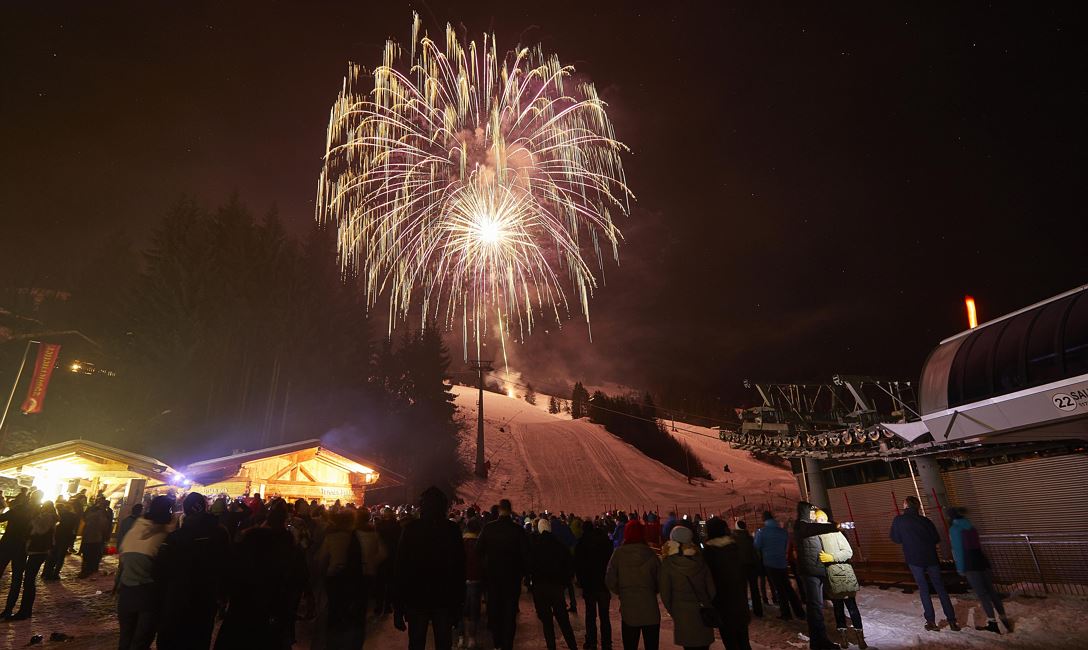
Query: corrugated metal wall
874, 507
1032, 496
1036, 495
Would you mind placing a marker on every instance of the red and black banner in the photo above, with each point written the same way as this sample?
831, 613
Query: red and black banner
39, 381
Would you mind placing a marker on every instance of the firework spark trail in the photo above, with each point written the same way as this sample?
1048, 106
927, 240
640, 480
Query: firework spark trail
465, 178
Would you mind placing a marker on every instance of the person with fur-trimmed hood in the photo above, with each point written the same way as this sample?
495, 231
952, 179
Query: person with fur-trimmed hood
724, 559
686, 587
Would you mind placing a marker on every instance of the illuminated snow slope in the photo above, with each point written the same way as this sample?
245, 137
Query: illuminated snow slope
540, 460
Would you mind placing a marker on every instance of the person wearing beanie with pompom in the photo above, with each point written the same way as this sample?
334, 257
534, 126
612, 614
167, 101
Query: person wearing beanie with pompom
632, 575
686, 588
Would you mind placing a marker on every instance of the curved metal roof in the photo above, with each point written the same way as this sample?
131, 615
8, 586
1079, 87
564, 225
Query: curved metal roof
1037, 345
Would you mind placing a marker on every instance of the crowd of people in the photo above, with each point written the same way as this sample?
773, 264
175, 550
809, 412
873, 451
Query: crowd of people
260, 567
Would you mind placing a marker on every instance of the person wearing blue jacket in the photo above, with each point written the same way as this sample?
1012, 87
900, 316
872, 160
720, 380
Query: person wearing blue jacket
771, 542
972, 564
919, 538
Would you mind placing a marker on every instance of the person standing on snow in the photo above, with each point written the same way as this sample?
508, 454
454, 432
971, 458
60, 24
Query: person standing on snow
919, 539
429, 576
633, 576
842, 584
972, 564
591, 556
504, 551
723, 558
189, 566
751, 562
468, 629
811, 572
265, 575
65, 536
551, 569
686, 588
39, 545
138, 602
771, 542
341, 623
19, 518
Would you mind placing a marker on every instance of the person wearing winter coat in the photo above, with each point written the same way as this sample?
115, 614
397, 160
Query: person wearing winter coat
591, 556
972, 564
504, 552
125, 524
652, 526
468, 628
341, 622
565, 535
919, 539
373, 555
96, 530
19, 518
389, 531
751, 562
811, 572
189, 566
265, 575
429, 575
686, 587
666, 529
39, 545
842, 584
723, 558
65, 536
551, 569
632, 575
138, 601
771, 542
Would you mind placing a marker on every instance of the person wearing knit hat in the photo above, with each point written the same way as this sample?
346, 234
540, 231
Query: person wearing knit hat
723, 558
632, 575
551, 569
137, 604
634, 532
686, 588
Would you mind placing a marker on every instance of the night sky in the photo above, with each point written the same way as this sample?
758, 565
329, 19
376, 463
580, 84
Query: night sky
818, 184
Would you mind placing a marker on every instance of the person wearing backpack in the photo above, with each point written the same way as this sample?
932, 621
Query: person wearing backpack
842, 584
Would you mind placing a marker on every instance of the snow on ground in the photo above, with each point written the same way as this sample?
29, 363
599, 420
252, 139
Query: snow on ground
892, 621
540, 460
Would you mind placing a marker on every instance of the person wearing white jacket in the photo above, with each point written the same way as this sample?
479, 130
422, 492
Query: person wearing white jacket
842, 583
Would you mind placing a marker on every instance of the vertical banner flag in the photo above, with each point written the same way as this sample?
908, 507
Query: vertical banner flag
39, 381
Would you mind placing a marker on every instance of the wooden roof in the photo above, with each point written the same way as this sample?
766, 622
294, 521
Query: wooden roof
228, 465
88, 450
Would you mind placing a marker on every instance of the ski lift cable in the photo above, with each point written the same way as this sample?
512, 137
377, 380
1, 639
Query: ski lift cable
657, 407
635, 417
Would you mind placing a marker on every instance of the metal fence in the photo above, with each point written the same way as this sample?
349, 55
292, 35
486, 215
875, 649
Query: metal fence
1039, 564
